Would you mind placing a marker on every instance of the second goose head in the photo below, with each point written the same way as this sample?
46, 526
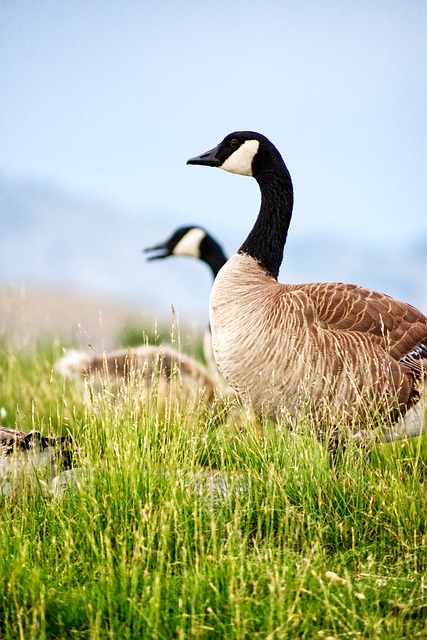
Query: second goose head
194, 242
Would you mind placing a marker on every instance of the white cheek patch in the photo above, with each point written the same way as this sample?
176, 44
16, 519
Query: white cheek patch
189, 245
241, 160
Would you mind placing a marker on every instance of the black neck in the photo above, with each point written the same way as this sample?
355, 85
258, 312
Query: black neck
212, 254
266, 241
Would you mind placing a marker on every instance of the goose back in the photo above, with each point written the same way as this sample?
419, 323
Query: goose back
173, 374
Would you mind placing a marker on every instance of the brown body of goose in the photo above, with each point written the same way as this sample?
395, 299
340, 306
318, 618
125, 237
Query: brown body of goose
329, 347
171, 371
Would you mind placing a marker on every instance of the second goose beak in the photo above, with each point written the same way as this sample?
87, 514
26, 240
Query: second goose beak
208, 159
163, 249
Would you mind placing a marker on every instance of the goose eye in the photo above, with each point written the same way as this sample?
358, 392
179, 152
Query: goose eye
234, 143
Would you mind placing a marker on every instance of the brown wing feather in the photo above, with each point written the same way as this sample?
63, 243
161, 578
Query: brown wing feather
396, 326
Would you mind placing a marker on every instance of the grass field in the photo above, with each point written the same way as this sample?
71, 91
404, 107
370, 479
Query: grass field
149, 544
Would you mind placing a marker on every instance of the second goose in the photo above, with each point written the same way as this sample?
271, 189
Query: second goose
335, 349
195, 242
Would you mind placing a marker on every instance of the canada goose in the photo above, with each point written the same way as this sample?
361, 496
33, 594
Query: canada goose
168, 369
331, 346
195, 242
23, 454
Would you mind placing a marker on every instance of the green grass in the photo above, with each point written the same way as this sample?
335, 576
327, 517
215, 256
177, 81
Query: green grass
186, 339
141, 548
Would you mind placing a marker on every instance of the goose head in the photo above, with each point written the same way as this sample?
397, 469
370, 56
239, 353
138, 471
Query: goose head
194, 242
185, 241
243, 152
252, 154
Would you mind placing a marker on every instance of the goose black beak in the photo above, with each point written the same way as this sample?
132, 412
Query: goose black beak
158, 247
207, 159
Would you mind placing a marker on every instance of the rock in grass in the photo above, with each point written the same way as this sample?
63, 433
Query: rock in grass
30, 458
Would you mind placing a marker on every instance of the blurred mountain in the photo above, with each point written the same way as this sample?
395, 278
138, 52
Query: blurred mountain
55, 239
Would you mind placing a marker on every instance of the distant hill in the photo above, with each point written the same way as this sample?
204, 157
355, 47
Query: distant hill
86, 322
53, 239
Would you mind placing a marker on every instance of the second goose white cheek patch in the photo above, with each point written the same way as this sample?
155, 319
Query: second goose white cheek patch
189, 245
241, 160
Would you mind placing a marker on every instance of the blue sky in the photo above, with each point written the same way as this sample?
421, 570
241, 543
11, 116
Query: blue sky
111, 98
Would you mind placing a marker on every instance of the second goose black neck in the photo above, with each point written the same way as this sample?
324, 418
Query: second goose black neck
212, 254
266, 241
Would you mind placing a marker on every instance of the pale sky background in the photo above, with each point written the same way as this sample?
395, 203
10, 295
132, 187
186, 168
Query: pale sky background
110, 99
